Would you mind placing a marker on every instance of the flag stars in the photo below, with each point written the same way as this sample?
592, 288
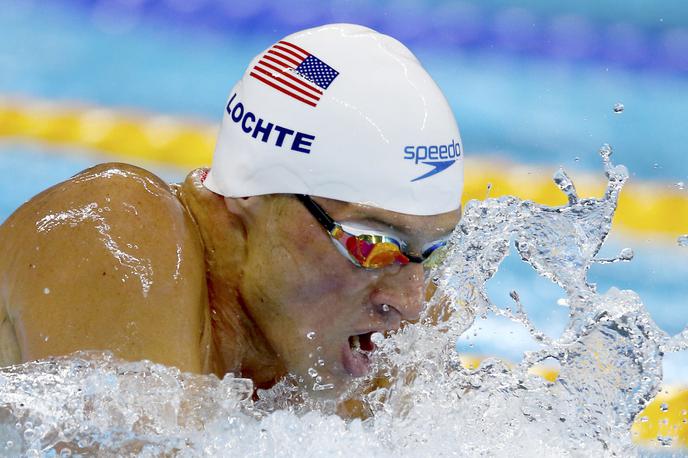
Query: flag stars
295, 72
315, 70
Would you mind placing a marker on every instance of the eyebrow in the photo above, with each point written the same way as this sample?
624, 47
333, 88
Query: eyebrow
383, 222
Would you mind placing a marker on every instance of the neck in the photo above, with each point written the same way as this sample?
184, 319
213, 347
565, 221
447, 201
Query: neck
238, 345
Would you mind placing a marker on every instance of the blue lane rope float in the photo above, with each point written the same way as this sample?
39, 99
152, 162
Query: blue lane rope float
639, 36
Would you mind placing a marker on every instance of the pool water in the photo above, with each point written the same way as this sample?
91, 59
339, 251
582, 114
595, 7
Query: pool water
534, 82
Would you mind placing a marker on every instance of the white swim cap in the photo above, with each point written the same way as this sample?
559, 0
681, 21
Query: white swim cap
343, 112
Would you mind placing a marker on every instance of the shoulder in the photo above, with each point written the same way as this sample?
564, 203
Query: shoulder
121, 196
107, 259
105, 206
114, 182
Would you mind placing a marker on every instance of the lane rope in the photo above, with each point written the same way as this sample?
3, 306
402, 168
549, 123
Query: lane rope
645, 208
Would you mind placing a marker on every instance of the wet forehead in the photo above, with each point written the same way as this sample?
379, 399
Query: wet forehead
423, 228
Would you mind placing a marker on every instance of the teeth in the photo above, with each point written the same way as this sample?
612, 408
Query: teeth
356, 343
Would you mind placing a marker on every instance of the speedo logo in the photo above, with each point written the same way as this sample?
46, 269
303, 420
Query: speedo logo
439, 157
268, 132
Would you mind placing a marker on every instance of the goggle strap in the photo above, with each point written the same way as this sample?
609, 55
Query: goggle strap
318, 212
414, 259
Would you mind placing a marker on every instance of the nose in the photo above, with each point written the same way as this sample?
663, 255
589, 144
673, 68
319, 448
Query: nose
402, 288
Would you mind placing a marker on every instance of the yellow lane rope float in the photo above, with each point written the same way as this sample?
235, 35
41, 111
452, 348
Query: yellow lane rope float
655, 209
644, 208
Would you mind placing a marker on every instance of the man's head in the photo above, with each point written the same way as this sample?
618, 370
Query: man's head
343, 161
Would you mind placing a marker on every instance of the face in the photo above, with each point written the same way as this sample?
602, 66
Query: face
313, 306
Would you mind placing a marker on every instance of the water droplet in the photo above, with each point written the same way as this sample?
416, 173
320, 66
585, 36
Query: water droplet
46, 290
663, 407
319, 387
312, 372
28, 434
377, 338
618, 107
321, 362
576, 159
681, 185
385, 308
310, 335
562, 180
665, 441
683, 240
626, 254
606, 151
514, 295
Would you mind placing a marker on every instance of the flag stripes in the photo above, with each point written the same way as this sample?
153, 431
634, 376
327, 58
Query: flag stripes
278, 68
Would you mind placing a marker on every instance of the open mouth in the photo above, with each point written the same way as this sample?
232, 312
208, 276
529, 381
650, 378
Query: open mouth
356, 355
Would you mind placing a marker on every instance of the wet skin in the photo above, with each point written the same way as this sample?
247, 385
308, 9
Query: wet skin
115, 259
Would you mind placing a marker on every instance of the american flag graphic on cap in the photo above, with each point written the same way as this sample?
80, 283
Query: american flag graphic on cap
294, 71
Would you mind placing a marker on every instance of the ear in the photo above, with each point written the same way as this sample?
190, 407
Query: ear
222, 226
243, 207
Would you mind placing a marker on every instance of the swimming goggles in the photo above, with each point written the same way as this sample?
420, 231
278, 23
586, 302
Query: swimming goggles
367, 249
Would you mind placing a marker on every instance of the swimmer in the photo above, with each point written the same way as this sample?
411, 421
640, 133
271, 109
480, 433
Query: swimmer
336, 177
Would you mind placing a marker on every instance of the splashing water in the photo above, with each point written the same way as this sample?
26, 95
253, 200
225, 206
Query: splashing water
609, 354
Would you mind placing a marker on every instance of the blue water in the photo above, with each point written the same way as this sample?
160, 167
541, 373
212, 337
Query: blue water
29, 169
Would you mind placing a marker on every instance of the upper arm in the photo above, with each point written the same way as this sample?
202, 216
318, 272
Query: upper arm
106, 260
